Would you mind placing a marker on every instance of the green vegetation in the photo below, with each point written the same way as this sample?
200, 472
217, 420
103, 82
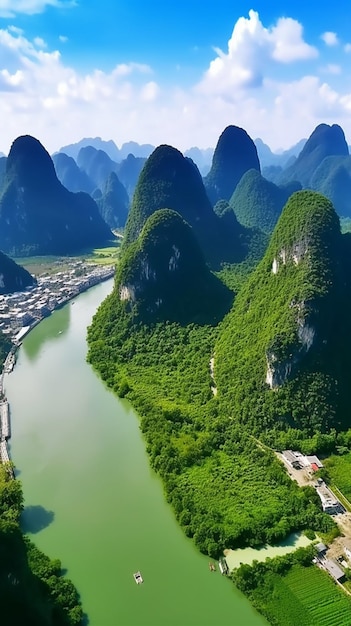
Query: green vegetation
234, 155
325, 141
337, 471
226, 490
37, 214
290, 590
257, 202
203, 430
163, 275
333, 179
32, 590
278, 323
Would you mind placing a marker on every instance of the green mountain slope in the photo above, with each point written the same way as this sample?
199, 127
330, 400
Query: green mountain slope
37, 214
277, 361
169, 180
113, 202
163, 275
234, 155
257, 202
333, 179
324, 141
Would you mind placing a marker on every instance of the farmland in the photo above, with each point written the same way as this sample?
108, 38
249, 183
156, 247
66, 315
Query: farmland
308, 596
339, 472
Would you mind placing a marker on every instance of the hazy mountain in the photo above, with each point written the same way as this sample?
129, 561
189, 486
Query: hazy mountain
128, 172
332, 178
96, 164
202, 158
234, 155
70, 175
113, 202
324, 141
281, 158
138, 150
40, 216
109, 147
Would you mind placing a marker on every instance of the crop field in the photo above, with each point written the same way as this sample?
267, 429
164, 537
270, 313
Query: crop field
339, 470
308, 596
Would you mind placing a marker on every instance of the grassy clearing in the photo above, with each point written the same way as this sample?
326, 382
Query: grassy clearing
51, 264
308, 596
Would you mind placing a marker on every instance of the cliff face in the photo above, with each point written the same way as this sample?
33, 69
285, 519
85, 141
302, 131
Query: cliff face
234, 155
37, 214
282, 334
163, 275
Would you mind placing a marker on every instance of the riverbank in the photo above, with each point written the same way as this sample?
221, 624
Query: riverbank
90, 495
68, 288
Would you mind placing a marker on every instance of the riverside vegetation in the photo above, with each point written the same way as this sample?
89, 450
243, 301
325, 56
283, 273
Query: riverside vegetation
32, 588
228, 489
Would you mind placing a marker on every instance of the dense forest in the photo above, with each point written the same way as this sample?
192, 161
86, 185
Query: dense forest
32, 589
203, 434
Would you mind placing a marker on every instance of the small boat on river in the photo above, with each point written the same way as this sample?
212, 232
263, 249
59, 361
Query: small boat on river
138, 578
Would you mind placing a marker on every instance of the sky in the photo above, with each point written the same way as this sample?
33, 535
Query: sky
177, 72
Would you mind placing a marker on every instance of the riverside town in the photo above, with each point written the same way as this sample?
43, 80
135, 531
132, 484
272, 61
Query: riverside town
22, 310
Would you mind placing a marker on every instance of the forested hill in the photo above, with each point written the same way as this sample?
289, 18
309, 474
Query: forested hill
37, 214
163, 275
13, 277
280, 360
234, 155
169, 180
257, 202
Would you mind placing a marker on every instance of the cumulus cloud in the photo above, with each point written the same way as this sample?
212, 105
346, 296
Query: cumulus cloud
9, 8
44, 97
332, 68
330, 38
251, 48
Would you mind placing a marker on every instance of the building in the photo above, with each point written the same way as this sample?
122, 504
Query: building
314, 461
330, 503
291, 458
334, 570
347, 547
321, 549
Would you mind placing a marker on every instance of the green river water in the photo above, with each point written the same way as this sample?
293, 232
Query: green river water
91, 498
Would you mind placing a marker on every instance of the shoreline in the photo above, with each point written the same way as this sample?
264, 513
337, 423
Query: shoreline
10, 362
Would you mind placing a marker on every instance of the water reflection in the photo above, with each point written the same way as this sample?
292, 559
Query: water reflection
47, 332
35, 518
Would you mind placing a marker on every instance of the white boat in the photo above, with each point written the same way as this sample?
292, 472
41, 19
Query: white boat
138, 578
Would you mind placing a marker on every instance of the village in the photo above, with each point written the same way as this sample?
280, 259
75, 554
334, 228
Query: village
22, 310
335, 558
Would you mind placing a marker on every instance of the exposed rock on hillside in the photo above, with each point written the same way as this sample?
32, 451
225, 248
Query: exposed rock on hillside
163, 275
280, 337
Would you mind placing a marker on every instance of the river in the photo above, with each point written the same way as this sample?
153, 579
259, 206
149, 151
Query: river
91, 498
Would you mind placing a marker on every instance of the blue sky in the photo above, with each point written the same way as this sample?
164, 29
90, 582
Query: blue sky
179, 72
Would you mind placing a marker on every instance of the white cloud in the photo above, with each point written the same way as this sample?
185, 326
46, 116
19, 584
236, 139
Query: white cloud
252, 48
332, 68
347, 47
9, 8
42, 96
39, 42
330, 38
63, 38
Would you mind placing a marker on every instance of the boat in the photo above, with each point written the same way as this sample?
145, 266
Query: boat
138, 578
